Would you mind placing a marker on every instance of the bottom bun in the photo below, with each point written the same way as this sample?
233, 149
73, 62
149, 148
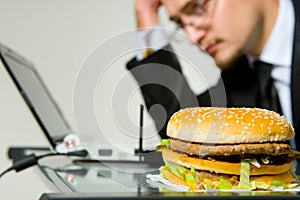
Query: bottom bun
266, 180
221, 166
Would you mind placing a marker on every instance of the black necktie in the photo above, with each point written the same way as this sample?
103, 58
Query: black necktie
267, 96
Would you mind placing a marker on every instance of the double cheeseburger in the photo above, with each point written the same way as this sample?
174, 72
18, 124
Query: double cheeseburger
226, 148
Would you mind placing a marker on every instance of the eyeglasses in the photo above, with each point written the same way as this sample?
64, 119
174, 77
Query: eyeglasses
195, 7
199, 8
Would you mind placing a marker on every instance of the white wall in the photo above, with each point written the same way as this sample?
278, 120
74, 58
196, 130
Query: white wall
57, 35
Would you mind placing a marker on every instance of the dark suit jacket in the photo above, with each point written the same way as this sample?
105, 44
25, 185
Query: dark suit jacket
162, 83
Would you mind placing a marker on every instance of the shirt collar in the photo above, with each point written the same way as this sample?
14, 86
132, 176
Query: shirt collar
279, 47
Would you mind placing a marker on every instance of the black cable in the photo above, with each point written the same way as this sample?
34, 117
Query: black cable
20, 152
9, 169
32, 159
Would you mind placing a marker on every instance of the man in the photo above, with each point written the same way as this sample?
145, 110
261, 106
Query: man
237, 34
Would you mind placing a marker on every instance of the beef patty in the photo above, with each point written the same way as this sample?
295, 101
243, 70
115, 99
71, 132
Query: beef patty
200, 149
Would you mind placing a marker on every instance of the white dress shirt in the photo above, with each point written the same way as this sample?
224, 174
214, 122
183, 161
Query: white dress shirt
279, 52
154, 38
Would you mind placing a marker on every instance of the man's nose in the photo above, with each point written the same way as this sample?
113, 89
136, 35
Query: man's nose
195, 28
194, 34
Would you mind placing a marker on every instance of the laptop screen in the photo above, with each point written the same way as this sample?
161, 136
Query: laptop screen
36, 95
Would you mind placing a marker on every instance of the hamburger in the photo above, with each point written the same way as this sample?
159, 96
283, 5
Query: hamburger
228, 148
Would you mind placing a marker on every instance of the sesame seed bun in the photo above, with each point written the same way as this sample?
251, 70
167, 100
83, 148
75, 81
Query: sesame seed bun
229, 125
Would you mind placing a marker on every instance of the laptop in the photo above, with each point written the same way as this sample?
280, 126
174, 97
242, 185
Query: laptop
49, 116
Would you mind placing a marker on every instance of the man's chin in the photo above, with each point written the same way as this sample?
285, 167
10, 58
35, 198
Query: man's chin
225, 62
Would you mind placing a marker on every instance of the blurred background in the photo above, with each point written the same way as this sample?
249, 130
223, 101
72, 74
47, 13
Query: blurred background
57, 36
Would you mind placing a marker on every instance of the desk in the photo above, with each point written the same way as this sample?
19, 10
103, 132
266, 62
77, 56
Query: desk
125, 180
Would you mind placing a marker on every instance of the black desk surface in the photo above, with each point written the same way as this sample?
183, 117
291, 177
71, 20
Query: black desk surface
125, 180
165, 196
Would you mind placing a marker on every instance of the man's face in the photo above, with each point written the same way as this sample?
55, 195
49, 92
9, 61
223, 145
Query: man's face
226, 29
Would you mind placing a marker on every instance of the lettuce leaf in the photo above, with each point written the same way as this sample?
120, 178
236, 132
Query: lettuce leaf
163, 172
265, 160
224, 184
207, 185
245, 175
278, 183
165, 142
260, 185
176, 170
253, 161
192, 171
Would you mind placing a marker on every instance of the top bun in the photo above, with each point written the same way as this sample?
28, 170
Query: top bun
215, 125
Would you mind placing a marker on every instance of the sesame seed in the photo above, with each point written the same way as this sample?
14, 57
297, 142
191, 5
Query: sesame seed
278, 147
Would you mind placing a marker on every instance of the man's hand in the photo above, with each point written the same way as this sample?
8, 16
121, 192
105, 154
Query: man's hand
147, 13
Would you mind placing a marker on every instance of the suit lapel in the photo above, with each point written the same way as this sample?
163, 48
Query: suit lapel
296, 74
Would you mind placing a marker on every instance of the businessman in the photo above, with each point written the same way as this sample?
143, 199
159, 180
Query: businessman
255, 43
